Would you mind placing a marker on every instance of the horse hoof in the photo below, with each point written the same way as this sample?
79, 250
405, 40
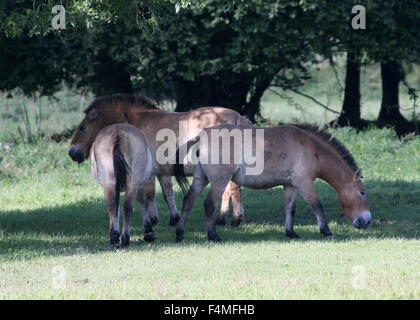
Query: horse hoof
125, 241
154, 220
236, 222
173, 221
329, 237
179, 234
124, 245
214, 237
221, 221
114, 246
149, 236
292, 235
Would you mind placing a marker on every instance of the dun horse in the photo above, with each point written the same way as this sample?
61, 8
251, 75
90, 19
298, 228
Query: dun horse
143, 114
294, 156
121, 160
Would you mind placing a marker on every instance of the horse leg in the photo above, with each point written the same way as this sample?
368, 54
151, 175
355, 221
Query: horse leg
232, 192
308, 193
149, 234
289, 204
197, 186
169, 195
210, 205
237, 207
149, 190
112, 199
128, 211
224, 207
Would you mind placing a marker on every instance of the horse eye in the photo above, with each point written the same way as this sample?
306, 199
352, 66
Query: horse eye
82, 128
362, 193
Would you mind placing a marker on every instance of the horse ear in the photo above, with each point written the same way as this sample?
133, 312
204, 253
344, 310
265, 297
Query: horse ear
93, 114
124, 117
358, 174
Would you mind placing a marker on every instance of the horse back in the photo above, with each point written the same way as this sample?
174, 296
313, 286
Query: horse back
289, 154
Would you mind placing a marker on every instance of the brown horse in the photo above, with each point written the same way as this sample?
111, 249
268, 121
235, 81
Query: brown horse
294, 156
144, 115
121, 160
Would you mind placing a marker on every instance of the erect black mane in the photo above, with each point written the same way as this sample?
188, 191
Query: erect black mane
333, 142
134, 100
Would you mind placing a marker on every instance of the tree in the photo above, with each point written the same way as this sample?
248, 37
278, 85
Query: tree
394, 39
335, 36
390, 37
211, 52
350, 114
391, 75
226, 53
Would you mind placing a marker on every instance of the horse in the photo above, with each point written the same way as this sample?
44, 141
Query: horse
145, 115
294, 157
121, 161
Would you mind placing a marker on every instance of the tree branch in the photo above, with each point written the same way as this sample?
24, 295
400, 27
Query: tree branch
308, 97
332, 64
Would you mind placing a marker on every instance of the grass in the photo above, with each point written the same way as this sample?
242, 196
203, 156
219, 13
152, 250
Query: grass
30, 118
53, 236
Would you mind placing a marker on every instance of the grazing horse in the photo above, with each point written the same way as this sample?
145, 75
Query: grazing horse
294, 156
121, 161
144, 115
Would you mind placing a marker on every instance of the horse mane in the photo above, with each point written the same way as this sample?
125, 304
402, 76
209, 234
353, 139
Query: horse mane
331, 141
133, 100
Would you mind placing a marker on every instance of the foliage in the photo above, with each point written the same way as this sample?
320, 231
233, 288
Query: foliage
210, 52
390, 28
33, 18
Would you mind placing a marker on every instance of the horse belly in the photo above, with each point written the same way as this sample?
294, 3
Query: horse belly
264, 180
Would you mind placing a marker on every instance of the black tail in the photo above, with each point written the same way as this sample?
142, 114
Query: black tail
179, 172
120, 168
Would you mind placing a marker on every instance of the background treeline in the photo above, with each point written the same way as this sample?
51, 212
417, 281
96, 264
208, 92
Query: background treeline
212, 52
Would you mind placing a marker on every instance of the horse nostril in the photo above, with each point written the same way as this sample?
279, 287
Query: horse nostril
71, 151
360, 223
76, 154
356, 223
362, 220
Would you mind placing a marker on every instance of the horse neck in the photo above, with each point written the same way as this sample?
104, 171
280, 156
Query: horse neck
335, 171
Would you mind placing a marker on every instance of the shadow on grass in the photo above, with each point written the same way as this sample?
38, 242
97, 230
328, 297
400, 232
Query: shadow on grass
82, 226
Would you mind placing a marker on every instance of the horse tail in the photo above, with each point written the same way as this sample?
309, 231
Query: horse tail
120, 168
179, 172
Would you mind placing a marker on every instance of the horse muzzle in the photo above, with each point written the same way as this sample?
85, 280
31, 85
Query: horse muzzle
76, 154
362, 220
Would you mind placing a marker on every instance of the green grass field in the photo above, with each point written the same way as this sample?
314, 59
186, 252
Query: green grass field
54, 239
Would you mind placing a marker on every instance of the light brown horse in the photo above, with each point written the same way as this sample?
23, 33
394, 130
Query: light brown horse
143, 114
294, 156
121, 161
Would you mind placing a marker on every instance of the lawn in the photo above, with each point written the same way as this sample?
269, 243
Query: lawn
54, 239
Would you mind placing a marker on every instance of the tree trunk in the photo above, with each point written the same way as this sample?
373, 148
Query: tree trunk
232, 92
391, 73
350, 115
211, 92
252, 107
